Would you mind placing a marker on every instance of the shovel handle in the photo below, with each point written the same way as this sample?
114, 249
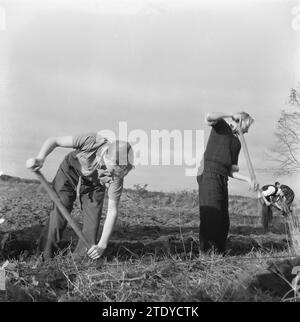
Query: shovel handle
247, 156
249, 163
63, 210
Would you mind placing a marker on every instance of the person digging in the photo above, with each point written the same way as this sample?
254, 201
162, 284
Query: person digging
269, 194
219, 162
278, 196
97, 165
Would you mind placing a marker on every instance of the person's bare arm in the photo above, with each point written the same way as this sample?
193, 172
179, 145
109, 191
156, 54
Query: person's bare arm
48, 146
53, 142
111, 217
212, 118
253, 184
267, 203
112, 213
276, 205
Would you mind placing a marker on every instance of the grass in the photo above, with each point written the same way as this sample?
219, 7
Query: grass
153, 254
293, 221
172, 278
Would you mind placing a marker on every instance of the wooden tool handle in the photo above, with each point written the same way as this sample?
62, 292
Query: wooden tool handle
247, 156
55, 198
249, 163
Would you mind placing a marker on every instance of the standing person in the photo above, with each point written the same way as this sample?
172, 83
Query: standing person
101, 165
270, 194
219, 162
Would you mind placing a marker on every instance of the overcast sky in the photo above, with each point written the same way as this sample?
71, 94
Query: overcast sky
69, 67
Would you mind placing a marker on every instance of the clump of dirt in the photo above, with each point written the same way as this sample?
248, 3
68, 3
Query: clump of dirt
241, 245
23, 243
34, 281
16, 243
277, 279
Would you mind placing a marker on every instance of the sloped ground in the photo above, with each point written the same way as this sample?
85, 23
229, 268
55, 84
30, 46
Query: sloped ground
155, 230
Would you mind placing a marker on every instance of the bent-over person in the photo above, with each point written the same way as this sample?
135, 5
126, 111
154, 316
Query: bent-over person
98, 166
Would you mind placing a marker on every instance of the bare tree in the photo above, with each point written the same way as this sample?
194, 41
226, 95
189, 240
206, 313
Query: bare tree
287, 148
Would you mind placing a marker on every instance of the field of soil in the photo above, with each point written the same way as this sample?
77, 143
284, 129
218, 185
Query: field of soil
153, 253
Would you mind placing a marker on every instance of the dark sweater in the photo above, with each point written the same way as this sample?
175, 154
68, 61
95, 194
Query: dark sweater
222, 150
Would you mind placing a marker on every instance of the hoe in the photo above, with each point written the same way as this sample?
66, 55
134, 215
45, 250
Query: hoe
55, 198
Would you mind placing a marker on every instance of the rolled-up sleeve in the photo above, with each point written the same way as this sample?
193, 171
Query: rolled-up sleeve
84, 141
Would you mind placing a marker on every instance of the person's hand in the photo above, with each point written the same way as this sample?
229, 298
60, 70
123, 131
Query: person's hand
96, 251
106, 180
105, 177
34, 164
253, 185
268, 203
